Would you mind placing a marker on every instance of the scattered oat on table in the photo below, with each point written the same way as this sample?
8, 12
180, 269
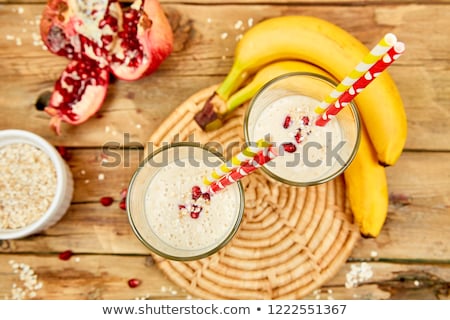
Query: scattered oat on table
29, 284
358, 274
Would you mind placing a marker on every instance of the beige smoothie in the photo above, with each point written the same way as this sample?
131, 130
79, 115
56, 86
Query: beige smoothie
307, 149
170, 208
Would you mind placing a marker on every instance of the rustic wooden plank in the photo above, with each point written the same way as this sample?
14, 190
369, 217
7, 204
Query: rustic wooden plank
91, 228
128, 109
419, 210
105, 277
389, 281
203, 58
417, 228
86, 228
89, 277
203, 49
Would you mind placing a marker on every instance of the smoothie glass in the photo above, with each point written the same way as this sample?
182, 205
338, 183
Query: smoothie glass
283, 112
163, 213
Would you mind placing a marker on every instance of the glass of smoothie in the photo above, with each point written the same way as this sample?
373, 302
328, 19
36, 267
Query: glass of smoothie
169, 209
283, 112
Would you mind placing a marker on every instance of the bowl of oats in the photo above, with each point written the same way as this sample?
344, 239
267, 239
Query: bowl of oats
36, 184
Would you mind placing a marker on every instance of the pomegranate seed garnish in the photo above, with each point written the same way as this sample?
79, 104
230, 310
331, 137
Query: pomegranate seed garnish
181, 206
287, 122
65, 255
194, 215
298, 136
305, 120
289, 147
206, 196
106, 201
195, 211
196, 192
133, 283
123, 204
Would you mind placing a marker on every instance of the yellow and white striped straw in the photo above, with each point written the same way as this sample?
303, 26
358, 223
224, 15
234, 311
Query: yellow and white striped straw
368, 61
248, 153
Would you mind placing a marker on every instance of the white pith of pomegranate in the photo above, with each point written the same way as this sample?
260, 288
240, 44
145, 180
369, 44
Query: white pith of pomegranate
78, 29
78, 93
145, 40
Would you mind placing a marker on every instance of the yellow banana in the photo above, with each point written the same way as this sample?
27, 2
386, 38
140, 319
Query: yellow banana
331, 48
266, 74
367, 189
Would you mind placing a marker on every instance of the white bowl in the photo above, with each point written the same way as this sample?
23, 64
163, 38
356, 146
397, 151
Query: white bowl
64, 184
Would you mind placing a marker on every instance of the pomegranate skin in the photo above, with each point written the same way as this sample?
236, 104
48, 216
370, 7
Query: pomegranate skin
78, 93
153, 39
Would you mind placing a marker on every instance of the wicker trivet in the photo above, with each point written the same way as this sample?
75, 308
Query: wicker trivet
291, 239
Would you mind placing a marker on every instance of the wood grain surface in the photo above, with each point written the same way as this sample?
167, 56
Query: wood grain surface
411, 257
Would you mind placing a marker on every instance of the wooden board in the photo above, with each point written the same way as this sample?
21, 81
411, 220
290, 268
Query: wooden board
411, 257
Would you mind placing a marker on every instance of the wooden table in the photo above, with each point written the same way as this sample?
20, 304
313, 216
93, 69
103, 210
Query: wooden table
411, 257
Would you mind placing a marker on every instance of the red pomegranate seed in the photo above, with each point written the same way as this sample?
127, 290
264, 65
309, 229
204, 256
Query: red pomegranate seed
133, 283
195, 211
123, 204
287, 122
289, 147
196, 192
195, 215
106, 201
64, 153
206, 196
305, 120
181, 206
298, 136
65, 255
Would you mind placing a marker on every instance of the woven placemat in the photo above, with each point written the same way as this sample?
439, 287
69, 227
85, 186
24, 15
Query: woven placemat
291, 240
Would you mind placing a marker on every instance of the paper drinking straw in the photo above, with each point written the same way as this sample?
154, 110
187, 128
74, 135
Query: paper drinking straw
246, 168
393, 54
368, 61
248, 153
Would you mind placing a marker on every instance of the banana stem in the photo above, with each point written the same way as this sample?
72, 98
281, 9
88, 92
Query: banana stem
232, 82
240, 97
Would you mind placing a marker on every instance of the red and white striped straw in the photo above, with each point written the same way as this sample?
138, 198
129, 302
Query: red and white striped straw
367, 62
393, 54
237, 173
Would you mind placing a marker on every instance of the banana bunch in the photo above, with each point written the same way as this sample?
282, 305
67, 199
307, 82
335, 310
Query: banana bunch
329, 47
307, 44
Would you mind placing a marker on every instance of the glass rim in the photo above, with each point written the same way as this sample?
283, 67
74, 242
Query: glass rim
220, 244
352, 106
